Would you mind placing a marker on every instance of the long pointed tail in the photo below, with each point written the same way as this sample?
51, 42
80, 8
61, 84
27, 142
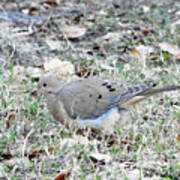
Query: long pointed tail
155, 90
150, 92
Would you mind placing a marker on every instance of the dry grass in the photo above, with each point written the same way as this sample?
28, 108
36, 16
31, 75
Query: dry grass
34, 146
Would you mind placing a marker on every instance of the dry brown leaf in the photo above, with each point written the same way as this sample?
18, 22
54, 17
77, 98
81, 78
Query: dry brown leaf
10, 118
33, 11
51, 3
141, 52
36, 153
82, 72
6, 156
146, 31
135, 52
178, 138
74, 31
62, 176
152, 57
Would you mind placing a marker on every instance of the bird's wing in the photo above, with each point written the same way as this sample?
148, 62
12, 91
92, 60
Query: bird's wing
90, 98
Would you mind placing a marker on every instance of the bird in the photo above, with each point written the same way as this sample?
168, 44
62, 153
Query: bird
93, 102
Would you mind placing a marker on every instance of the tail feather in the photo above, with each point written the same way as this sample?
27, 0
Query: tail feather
147, 93
154, 90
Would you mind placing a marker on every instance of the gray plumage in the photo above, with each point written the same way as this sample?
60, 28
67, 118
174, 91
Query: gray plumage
92, 99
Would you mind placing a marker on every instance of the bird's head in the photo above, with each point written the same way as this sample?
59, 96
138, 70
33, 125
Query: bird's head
47, 85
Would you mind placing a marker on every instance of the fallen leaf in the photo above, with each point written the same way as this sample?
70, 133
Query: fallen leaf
160, 69
59, 68
135, 52
177, 57
178, 138
96, 47
128, 142
82, 72
33, 11
10, 118
110, 37
146, 31
99, 50
171, 48
166, 70
107, 67
75, 31
36, 153
62, 176
54, 45
152, 57
51, 3
6, 156
145, 50
142, 52
125, 25
145, 8
100, 157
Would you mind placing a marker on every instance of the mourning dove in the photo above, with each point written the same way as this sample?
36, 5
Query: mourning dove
95, 102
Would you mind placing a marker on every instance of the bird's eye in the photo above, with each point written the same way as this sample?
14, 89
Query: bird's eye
44, 84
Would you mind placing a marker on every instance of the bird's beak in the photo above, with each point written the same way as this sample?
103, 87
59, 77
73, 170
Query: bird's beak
34, 92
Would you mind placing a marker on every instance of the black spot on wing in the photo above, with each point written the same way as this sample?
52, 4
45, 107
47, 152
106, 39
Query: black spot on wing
100, 96
112, 89
154, 84
44, 84
109, 86
104, 84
